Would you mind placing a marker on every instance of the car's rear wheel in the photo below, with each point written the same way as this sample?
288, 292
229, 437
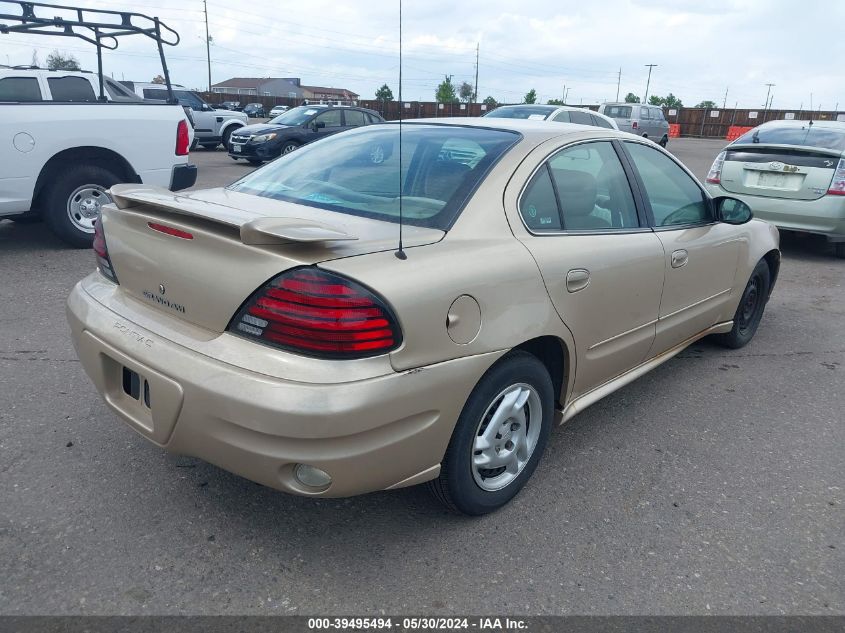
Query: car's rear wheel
664, 141
750, 310
499, 438
72, 202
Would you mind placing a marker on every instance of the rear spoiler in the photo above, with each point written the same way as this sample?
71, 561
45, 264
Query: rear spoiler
257, 231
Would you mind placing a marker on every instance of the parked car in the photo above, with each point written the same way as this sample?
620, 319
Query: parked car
61, 148
285, 133
791, 173
211, 126
559, 114
254, 110
273, 327
230, 105
279, 109
644, 120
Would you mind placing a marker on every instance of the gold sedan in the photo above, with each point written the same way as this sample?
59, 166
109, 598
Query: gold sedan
279, 328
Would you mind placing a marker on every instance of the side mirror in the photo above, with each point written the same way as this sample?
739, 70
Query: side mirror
732, 211
205, 107
319, 125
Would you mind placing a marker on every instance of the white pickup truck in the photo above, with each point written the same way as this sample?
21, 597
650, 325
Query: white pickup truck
62, 148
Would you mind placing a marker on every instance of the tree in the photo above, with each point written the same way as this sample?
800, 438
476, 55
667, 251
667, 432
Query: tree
446, 91
554, 102
655, 100
384, 93
490, 102
530, 96
631, 98
158, 79
57, 61
465, 92
706, 104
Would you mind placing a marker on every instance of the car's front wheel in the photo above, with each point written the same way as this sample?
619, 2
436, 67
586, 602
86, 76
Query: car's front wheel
72, 202
750, 310
288, 147
499, 438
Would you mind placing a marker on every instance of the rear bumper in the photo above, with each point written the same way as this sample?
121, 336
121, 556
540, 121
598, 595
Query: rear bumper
383, 432
183, 176
823, 216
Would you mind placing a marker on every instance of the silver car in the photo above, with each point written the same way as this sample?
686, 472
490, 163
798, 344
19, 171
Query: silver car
791, 173
642, 120
559, 114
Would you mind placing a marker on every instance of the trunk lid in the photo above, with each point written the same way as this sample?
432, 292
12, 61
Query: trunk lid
778, 171
237, 242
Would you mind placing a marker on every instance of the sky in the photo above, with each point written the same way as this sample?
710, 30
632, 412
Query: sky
702, 48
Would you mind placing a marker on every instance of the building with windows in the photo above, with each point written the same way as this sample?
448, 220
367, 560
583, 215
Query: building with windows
281, 87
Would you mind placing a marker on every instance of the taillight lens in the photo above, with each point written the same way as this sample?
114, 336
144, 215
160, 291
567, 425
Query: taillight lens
634, 125
316, 313
104, 264
837, 184
183, 139
714, 176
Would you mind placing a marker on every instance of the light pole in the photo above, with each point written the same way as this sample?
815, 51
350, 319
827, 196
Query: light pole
649, 66
768, 91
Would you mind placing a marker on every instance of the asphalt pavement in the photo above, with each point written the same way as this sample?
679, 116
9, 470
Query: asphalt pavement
713, 485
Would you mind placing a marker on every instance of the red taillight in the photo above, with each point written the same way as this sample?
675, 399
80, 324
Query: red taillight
317, 313
837, 183
183, 139
714, 176
635, 125
169, 230
104, 264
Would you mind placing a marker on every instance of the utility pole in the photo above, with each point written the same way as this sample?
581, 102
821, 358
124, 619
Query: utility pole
725, 102
475, 90
564, 94
207, 43
618, 83
768, 90
649, 66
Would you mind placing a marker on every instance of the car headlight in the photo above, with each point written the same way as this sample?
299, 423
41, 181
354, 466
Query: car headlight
262, 138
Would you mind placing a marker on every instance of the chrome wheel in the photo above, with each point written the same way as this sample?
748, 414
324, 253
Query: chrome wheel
506, 437
84, 204
287, 149
377, 155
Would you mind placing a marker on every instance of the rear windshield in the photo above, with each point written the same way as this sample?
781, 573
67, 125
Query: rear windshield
296, 116
805, 135
618, 112
358, 172
521, 112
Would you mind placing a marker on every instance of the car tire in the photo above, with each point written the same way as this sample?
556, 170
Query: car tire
288, 147
227, 133
71, 202
839, 249
664, 142
514, 395
750, 310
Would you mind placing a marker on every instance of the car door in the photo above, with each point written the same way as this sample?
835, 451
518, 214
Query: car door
700, 253
602, 267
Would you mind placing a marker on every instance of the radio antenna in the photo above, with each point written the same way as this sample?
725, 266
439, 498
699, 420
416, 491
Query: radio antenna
400, 254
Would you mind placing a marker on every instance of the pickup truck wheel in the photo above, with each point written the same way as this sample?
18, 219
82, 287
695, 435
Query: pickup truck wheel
72, 202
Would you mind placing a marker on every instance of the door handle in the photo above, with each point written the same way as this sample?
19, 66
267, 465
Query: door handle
679, 258
577, 279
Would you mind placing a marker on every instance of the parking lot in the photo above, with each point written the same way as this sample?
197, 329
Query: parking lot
715, 484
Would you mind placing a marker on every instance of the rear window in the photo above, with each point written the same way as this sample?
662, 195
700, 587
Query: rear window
618, 112
521, 112
19, 89
358, 172
71, 89
804, 135
600, 122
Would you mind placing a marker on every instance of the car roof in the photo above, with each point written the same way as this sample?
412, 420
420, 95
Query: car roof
822, 123
538, 131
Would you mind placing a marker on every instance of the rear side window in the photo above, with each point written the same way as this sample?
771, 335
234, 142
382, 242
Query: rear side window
562, 117
600, 122
20, 89
581, 118
539, 204
657, 114
371, 118
330, 118
674, 197
354, 117
644, 114
118, 92
803, 135
618, 112
71, 89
